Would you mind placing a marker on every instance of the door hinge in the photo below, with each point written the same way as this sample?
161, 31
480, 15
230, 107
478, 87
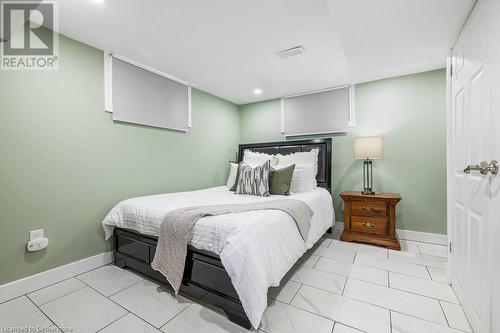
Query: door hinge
451, 70
449, 247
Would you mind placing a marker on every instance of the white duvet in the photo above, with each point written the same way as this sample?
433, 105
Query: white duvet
257, 248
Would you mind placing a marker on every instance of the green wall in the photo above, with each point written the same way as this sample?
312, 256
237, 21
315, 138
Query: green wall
64, 163
410, 113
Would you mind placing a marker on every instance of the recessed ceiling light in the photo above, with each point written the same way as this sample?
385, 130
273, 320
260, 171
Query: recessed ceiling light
257, 91
98, 1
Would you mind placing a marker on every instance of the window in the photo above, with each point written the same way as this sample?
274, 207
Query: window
322, 112
140, 95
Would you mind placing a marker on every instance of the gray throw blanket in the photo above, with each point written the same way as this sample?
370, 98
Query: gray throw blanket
176, 231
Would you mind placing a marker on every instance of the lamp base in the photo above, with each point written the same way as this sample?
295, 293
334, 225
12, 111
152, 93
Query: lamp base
367, 178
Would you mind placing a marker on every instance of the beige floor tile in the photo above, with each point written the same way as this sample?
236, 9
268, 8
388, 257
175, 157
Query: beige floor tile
55, 291
348, 311
320, 279
283, 318
198, 319
402, 323
151, 302
110, 279
21, 314
129, 324
84, 310
423, 287
354, 271
438, 275
456, 316
392, 265
397, 300
285, 292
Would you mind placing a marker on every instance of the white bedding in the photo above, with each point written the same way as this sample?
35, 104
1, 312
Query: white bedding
257, 248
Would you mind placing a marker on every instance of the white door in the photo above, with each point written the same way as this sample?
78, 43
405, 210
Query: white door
471, 191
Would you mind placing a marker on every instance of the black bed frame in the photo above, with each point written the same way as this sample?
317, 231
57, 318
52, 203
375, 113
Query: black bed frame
205, 279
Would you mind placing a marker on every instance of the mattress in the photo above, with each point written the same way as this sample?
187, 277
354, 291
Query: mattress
257, 248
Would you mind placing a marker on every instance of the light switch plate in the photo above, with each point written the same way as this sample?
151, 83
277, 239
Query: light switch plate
36, 234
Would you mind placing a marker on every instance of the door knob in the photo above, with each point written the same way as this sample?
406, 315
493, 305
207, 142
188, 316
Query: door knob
483, 167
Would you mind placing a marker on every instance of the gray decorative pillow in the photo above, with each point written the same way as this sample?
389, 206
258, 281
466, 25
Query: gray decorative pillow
280, 180
253, 180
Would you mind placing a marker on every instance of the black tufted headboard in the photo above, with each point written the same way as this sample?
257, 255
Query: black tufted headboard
324, 176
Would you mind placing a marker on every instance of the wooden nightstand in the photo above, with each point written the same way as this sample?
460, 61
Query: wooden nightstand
370, 218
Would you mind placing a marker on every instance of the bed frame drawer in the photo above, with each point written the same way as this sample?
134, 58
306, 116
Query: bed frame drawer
206, 274
133, 248
204, 270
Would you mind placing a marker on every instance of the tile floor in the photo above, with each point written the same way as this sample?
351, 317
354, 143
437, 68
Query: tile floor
336, 287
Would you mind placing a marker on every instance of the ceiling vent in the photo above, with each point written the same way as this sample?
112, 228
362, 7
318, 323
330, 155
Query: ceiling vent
291, 52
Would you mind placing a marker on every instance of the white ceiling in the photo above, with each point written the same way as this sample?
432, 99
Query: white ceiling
227, 47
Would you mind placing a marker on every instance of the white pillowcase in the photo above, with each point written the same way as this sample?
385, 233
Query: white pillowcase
254, 158
304, 158
303, 178
301, 158
232, 175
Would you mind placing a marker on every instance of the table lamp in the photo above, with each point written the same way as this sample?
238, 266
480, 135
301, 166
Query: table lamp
368, 149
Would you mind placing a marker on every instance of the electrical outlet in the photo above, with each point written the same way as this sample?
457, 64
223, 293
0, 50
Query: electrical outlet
36, 234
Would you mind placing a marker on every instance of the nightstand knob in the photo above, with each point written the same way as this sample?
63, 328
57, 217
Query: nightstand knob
368, 225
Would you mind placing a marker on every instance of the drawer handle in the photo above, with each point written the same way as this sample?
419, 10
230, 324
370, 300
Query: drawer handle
368, 225
370, 210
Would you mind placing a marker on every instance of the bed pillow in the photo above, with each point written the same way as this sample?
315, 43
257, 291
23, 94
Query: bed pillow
253, 180
303, 179
280, 180
254, 158
233, 174
303, 158
235, 185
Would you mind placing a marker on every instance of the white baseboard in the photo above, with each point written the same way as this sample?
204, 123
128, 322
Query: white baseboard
31, 283
425, 237
416, 236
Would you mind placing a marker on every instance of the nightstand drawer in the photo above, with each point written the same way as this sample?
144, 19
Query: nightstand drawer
372, 225
367, 208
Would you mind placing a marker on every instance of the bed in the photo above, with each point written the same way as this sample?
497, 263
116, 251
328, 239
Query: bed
228, 265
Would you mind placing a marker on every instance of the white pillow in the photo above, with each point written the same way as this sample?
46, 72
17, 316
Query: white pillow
232, 175
300, 158
254, 158
304, 158
303, 178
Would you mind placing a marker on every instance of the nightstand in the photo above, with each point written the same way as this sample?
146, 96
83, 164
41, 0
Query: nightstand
370, 218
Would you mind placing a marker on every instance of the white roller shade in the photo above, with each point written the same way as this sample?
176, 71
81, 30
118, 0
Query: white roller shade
322, 112
141, 96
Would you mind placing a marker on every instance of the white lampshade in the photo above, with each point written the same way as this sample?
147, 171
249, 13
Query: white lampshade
371, 147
